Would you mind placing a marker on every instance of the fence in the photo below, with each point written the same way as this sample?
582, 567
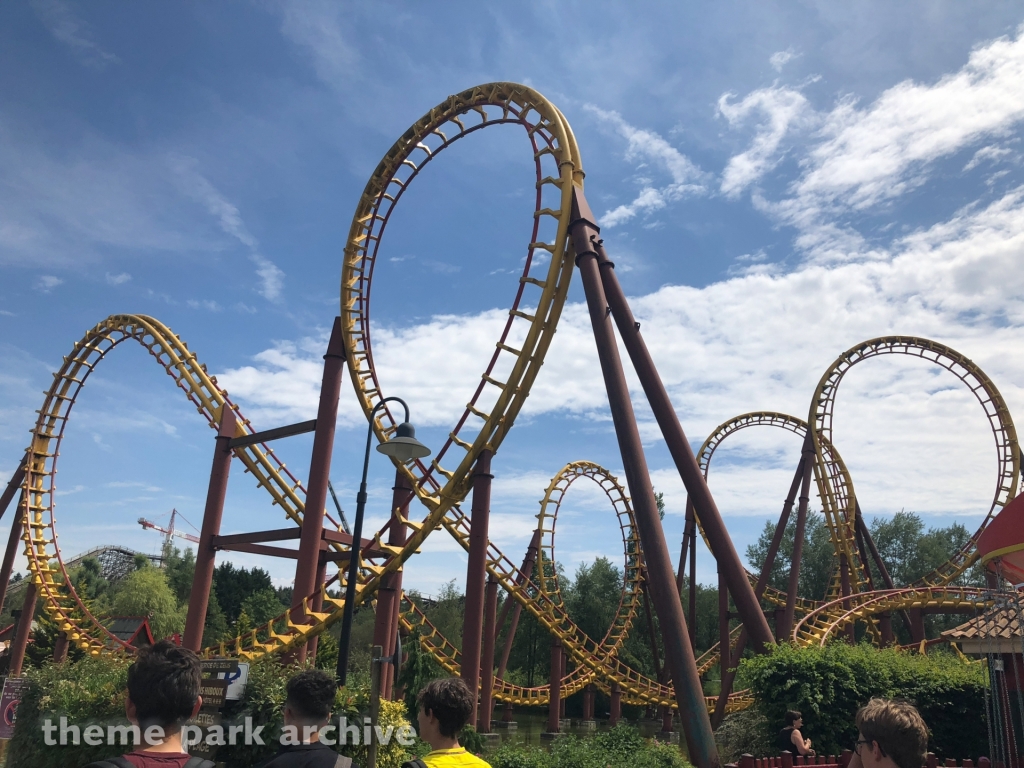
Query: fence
787, 760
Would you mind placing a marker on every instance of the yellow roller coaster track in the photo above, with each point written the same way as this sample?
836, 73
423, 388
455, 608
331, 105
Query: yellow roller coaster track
496, 401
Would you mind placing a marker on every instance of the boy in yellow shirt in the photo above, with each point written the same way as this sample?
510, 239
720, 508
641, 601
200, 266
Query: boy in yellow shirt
444, 707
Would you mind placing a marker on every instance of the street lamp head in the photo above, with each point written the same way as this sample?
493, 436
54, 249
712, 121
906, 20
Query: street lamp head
404, 445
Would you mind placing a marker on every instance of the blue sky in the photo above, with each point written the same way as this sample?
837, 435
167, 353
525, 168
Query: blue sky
776, 182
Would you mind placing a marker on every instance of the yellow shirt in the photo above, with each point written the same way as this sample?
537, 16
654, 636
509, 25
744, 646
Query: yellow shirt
454, 758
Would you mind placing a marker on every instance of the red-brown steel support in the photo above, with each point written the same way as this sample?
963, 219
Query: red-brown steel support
653, 636
729, 675
555, 685
869, 540
385, 625
666, 719
487, 657
319, 475
588, 703
316, 605
476, 573
615, 707
885, 628
720, 543
507, 713
724, 650
844, 583
60, 648
206, 555
24, 629
678, 653
681, 572
806, 459
13, 487
526, 573
11, 553
692, 597
917, 633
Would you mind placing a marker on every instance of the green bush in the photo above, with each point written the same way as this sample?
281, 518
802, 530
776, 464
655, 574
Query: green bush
620, 747
828, 685
744, 732
89, 691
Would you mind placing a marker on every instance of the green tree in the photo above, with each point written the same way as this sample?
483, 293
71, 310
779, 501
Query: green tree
233, 585
146, 593
815, 562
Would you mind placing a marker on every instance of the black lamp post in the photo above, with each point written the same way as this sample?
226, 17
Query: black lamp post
403, 446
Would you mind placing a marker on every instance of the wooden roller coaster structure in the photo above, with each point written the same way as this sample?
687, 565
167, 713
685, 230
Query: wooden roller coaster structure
565, 233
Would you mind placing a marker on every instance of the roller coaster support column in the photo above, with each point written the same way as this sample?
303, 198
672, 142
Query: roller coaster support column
13, 486
844, 581
202, 582
615, 708
692, 602
476, 575
806, 470
60, 648
678, 653
555, 684
9, 556
869, 541
24, 629
516, 606
681, 572
319, 474
487, 657
729, 675
588, 703
748, 607
316, 604
385, 627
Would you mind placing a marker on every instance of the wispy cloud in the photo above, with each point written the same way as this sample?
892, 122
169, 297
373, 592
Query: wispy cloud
645, 147
119, 279
65, 25
229, 217
779, 59
46, 283
319, 27
782, 108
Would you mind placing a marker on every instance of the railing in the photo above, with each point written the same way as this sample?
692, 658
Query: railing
787, 760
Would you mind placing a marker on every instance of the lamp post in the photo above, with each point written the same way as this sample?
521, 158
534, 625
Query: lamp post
403, 447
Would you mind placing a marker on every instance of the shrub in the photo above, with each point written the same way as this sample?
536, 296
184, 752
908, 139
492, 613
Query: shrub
745, 732
620, 747
89, 691
829, 684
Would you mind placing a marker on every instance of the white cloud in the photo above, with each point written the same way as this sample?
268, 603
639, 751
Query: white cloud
878, 152
782, 108
646, 147
207, 304
46, 283
60, 18
118, 279
779, 59
913, 436
991, 153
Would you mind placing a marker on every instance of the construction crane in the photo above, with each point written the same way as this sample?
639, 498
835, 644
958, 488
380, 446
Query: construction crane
169, 531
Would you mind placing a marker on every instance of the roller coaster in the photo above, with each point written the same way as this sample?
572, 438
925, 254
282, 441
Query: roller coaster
564, 239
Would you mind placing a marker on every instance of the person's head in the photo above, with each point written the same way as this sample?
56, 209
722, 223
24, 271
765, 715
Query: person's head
891, 730
793, 718
163, 686
444, 707
310, 697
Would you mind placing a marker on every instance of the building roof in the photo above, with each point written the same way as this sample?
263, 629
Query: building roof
131, 629
998, 630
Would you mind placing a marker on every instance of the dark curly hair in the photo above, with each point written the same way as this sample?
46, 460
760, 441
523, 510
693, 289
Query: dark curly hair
163, 684
450, 701
311, 694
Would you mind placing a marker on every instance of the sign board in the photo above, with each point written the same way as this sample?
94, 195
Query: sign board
213, 693
214, 667
14, 689
236, 681
205, 720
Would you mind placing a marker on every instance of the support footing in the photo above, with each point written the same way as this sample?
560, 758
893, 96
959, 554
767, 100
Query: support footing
588, 725
547, 736
508, 725
669, 737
